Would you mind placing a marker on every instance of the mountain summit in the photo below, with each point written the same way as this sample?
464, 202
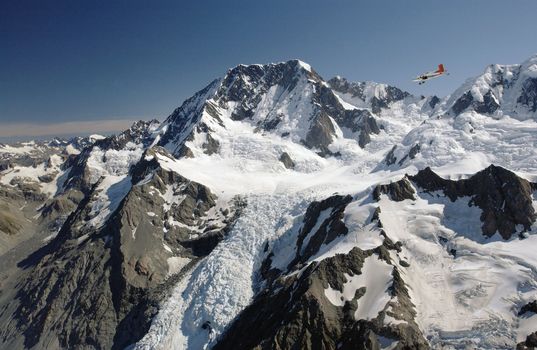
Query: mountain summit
501, 90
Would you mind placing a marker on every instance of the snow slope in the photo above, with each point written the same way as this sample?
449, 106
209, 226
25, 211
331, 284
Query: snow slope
466, 288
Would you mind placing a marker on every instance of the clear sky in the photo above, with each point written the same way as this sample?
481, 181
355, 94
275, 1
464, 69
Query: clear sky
94, 61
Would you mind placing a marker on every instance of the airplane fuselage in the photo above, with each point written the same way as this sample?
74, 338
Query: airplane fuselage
430, 75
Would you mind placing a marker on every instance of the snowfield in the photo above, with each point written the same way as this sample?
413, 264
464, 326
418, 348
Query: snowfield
465, 287
376, 278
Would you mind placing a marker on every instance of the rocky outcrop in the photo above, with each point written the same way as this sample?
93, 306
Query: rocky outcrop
320, 135
140, 132
397, 191
181, 122
504, 198
412, 152
286, 160
211, 146
390, 157
56, 210
501, 90
528, 97
325, 217
358, 90
359, 121
489, 105
238, 82
433, 101
81, 176
529, 307
529, 344
462, 103
531, 339
9, 223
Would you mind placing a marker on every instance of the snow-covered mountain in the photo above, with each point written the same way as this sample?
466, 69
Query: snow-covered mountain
276, 209
501, 90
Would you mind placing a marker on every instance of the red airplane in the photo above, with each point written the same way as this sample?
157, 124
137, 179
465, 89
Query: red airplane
429, 75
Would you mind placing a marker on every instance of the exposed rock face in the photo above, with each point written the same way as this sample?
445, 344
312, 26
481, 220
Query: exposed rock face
434, 101
362, 121
183, 119
529, 94
4, 164
138, 133
9, 223
239, 80
287, 161
397, 191
529, 344
529, 307
57, 209
378, 102
390, 158
331, 226
125, 261
504, 198
462, 103
489, 104
359, 121
79, 174
23, 198
211, 146
320, 134
293, 311
412, 153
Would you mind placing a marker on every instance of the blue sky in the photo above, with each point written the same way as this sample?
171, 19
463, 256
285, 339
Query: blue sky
68, 61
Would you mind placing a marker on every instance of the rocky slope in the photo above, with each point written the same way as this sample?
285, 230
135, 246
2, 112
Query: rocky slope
276, 209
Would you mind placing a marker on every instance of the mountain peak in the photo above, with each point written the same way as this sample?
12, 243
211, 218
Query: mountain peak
501, 90
290, 65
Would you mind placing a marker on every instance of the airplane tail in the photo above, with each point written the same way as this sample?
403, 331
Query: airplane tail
440, 68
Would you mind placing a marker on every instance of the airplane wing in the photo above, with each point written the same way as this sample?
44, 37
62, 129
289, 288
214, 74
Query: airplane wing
429, 75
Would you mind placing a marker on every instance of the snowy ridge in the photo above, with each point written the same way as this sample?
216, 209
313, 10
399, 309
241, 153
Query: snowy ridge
502, 90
